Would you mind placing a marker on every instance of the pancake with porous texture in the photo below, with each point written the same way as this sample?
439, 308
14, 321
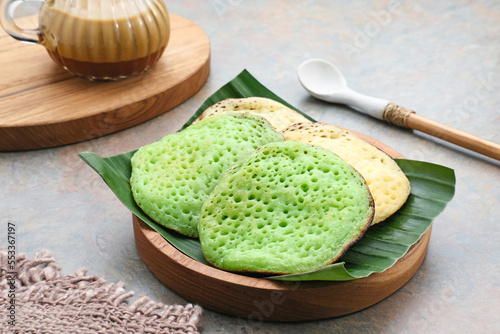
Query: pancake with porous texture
279, 115
172, 177
287, 207
388, 184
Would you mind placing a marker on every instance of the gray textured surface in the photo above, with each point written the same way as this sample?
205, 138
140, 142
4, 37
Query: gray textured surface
438, 58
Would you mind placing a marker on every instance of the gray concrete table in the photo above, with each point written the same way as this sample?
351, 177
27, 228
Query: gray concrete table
440, 58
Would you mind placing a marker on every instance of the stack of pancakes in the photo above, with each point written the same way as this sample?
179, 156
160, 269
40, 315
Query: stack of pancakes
264, 189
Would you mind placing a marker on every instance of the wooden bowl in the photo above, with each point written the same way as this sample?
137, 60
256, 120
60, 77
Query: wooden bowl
266, 300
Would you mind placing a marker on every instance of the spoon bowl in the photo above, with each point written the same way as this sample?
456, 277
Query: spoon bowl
319, 77
324, 81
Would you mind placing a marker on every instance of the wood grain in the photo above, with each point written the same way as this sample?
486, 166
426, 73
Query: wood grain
42, 105
455, 136
265, 300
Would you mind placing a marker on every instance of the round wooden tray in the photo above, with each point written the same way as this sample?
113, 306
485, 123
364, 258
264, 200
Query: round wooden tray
42, 105
261, 299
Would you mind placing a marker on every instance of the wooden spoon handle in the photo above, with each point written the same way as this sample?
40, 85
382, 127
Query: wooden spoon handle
455, 136
408, 118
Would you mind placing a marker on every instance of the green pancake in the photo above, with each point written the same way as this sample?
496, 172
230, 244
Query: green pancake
285, 208
172, 177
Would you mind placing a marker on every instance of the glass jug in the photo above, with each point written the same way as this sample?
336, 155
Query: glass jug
96, 39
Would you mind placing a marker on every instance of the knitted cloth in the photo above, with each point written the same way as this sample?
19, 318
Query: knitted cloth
48, 303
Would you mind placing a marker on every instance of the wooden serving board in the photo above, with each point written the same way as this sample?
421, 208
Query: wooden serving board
42, 105
266, 300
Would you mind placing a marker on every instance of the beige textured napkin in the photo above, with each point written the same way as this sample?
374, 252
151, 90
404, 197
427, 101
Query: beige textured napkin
47, 302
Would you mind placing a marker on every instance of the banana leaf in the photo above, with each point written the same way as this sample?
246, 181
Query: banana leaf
432, 187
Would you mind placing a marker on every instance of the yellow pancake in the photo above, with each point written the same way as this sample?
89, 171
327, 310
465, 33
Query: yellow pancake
277, 114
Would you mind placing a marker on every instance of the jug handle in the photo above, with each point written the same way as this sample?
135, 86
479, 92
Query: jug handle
7, 9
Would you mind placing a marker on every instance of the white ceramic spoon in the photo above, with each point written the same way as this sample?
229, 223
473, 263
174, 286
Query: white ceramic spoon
325, 82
